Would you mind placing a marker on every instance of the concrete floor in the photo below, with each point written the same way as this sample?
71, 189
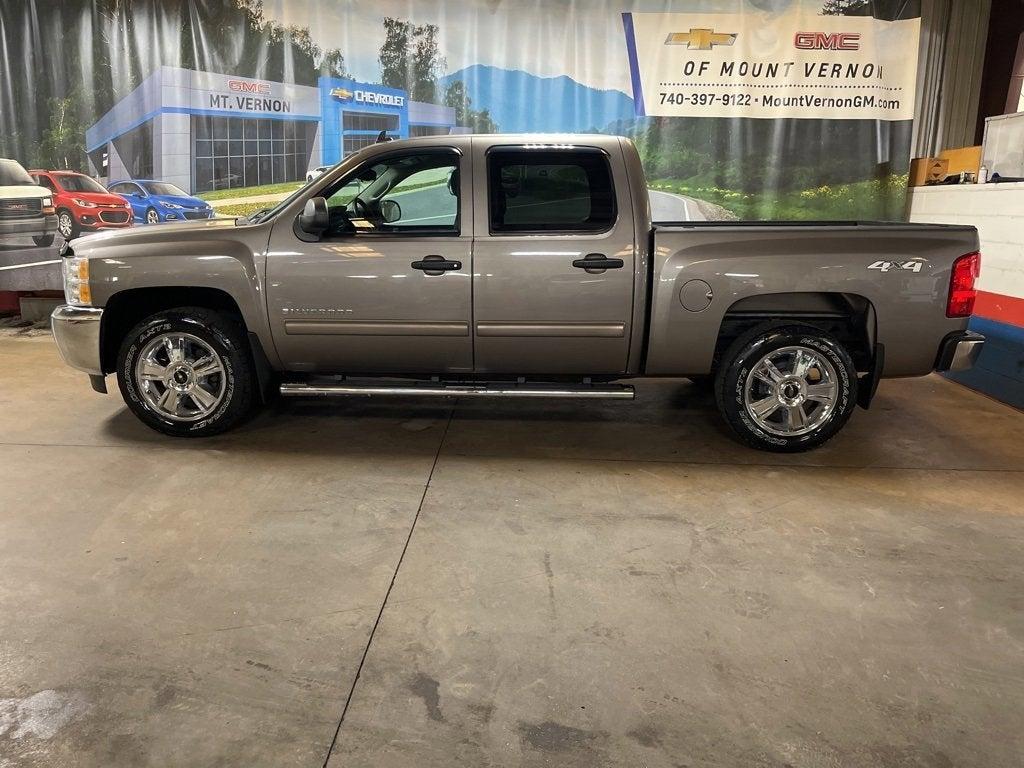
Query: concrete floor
523, 584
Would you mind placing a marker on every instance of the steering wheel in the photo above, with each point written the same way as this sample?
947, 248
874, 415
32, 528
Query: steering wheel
360, 208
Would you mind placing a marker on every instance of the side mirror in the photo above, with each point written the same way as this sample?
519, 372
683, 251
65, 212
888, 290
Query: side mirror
314, 219
390, 211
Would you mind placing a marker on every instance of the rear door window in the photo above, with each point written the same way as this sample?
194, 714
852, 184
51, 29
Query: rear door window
549, 191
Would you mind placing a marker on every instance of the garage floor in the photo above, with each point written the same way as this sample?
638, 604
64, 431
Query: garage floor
432, 584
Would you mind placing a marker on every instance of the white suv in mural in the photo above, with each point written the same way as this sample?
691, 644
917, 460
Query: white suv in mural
25, 208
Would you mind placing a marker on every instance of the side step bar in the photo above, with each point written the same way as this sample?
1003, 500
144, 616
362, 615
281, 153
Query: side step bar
439, 389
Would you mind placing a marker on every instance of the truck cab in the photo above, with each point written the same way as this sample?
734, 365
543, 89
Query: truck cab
414, 273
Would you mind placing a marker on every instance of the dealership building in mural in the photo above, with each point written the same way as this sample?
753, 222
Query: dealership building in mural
205, 131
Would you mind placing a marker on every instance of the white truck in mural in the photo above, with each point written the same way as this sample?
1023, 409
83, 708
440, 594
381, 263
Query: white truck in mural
26, 209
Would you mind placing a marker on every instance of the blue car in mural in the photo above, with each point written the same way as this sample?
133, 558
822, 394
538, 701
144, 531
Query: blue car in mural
154, 202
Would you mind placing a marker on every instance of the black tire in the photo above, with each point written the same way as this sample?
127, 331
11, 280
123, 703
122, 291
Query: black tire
225, 335
735, 375
43, 241
703, 384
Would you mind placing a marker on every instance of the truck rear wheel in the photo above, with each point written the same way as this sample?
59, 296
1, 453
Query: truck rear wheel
187, 372
786, 388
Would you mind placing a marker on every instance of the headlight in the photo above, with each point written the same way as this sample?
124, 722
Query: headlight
47, 202
171, 205
83, 203
76, 281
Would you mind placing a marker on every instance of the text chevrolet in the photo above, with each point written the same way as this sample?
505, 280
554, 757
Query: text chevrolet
512, 266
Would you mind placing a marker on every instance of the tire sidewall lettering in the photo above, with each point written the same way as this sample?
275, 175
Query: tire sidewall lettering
223, 347
739, 369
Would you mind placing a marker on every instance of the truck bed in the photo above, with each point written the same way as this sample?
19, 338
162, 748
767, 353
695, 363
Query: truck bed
898, 272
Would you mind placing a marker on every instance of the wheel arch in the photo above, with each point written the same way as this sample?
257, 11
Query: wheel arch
126, 308
849, 317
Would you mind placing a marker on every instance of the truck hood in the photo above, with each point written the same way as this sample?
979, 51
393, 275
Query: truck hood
18, 191
152, 235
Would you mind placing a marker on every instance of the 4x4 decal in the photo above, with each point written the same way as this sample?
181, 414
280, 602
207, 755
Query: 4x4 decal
906, 266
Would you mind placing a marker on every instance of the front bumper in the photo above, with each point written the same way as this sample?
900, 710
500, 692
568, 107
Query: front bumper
94, 223
959, 351
40, 225
77, 333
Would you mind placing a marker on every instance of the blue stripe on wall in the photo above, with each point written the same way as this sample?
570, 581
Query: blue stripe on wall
999, 371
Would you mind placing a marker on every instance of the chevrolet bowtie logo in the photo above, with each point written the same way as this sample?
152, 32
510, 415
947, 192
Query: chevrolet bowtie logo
700, 39
343, 94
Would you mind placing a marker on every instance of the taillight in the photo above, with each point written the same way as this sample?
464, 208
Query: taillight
961, 285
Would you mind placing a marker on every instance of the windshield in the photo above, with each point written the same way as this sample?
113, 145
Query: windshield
13, 175
75, 182
163, 188
266, 213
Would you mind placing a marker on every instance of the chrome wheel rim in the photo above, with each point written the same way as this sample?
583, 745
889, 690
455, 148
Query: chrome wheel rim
180, 376
65, 225
791, 391
152, 217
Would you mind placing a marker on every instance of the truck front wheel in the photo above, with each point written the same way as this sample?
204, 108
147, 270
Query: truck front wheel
187, 372
786, 388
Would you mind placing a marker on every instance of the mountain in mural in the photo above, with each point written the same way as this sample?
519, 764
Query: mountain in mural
521, 102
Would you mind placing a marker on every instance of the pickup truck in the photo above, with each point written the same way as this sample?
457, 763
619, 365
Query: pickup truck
512, 266
26, 209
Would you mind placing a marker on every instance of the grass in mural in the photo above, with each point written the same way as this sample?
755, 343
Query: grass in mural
874, 199
266, 189
241, 209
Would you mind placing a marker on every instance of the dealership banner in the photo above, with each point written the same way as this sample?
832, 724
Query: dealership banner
797, 65
171, 110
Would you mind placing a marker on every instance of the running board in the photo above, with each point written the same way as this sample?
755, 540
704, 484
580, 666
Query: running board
439, 389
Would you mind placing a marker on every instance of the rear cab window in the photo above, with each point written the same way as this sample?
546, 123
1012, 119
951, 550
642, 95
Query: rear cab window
549, 190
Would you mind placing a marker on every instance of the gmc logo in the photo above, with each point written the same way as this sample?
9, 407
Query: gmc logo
827, 41
245, 86
17, 207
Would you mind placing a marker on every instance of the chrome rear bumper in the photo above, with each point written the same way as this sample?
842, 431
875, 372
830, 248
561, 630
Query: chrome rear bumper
959, 351
77, 333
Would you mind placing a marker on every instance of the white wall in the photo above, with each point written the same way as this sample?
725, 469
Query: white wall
997, 210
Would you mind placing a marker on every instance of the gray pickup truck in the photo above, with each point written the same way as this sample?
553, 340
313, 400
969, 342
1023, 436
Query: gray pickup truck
512, 266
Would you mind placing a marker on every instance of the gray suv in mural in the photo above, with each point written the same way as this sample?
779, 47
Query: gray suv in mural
512, 266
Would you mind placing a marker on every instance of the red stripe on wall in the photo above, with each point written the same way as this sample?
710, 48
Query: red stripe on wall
996, 306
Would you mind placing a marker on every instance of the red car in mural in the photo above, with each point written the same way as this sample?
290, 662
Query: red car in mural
82, 204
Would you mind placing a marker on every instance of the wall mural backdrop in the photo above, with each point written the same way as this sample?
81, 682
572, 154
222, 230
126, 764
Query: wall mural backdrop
769, 109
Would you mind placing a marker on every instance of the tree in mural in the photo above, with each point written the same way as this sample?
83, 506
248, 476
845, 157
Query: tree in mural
879, 9
410, 59
60, 145
846, 8
455, 96
427, 64
333, 64
394, 53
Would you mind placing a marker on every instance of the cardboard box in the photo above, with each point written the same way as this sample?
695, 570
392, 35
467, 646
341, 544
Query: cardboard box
927, 170
962, 159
